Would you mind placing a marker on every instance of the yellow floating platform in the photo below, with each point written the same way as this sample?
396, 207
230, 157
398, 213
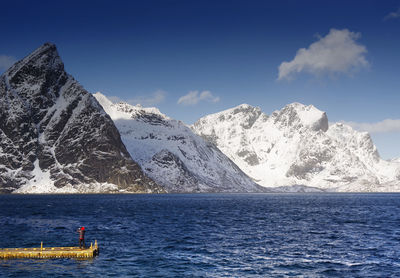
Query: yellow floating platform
50, 252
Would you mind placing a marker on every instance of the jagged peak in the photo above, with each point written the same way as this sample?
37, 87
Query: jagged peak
342, 132
245, 108
239, 109
242, 108
244, 114
347, 130
308, 115
45, 48
46, 55
124, 110
299, 105
303, 110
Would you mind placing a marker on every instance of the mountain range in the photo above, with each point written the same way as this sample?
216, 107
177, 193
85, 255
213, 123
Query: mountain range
55, 137
297, 146
172, 154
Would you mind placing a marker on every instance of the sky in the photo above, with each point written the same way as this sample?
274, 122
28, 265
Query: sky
193, 58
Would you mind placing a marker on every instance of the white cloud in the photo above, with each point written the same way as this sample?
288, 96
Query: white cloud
194, 97
6, 62
388, 125
392, 15
150, 100
335, 53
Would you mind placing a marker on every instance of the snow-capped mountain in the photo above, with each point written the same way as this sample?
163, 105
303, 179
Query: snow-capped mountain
55, 137
171, 154
296, 146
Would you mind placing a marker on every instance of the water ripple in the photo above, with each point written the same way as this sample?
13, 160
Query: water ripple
208, 235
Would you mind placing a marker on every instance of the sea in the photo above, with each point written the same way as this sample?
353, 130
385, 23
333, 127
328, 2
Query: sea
207, 235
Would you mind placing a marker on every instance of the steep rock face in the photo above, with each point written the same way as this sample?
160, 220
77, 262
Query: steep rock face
55, 137
171, 154
296, 146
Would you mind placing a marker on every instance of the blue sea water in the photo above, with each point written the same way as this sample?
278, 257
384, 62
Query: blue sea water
207, 235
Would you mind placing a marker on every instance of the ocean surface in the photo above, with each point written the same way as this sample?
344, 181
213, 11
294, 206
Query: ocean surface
207, 235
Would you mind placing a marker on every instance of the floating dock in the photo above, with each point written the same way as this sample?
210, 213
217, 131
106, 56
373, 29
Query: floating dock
50, 252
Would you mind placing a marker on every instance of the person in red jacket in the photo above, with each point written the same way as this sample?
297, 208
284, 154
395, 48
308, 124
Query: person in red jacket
81, 232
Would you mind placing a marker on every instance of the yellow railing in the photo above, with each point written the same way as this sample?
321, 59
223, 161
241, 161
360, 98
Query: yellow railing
50, 252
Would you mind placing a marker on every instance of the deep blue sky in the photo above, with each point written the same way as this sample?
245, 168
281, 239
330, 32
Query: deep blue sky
133, 49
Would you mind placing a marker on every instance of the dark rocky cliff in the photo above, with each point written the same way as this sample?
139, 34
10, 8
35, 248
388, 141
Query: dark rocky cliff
55, 137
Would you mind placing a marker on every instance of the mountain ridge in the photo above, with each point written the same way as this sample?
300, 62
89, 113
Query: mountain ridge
296, 146
55, 137
171, 154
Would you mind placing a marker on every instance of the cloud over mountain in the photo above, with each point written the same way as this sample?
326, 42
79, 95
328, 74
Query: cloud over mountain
194, 97
336, 53
387, 125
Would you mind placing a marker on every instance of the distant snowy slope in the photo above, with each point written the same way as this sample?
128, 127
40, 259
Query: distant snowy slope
296, 146
171, 154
